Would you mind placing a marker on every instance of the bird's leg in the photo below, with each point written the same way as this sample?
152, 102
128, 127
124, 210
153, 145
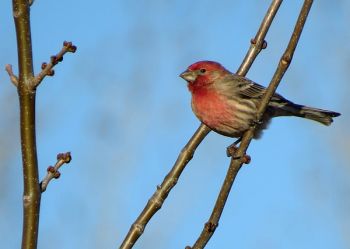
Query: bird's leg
230, 151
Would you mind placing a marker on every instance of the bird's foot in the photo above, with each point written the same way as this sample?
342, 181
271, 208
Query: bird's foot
230, 150
244, 159
256, 122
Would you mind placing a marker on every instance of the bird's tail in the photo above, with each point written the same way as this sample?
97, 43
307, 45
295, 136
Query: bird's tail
322, 116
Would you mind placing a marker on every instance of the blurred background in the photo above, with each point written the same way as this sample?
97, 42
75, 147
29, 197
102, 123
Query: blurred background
119, 106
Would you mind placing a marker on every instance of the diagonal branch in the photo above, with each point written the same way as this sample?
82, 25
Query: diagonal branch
47, 68
158, 198
258, 42
52, 171
235, 164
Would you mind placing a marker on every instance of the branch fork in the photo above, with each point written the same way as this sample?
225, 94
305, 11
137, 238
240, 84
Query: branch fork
46, 68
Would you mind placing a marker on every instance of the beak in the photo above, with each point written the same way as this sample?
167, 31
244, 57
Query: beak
189, 76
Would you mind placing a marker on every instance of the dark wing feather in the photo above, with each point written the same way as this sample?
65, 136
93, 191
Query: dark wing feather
249, 89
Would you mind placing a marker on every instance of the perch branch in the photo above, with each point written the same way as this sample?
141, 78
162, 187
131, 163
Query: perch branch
52, 171
158, 198
47, 68
235, 164
13, 77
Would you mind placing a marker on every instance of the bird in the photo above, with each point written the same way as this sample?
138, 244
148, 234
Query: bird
227, 103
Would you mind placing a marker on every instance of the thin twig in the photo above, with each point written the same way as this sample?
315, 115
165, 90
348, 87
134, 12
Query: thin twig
13, 77
235, 164
47, 68
52, 171
158, 198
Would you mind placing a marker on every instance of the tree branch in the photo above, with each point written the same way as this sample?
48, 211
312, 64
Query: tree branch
259, 42
26, 85
31, 193
13, 77
158, 198
235, 164
47, 69
52, 171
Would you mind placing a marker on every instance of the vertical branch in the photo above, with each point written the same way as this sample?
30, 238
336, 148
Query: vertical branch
31, 194
26, 85
235, 164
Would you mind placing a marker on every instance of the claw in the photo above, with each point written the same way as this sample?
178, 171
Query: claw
230, 150
256, 122
244, 159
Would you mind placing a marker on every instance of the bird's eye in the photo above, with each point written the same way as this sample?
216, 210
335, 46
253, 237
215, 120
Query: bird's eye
202, 70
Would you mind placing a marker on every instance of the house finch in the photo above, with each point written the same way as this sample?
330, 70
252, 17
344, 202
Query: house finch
227, 103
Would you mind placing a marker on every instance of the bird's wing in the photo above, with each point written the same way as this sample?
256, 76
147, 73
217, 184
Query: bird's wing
246, 88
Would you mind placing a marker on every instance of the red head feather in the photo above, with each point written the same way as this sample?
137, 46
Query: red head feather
207, 65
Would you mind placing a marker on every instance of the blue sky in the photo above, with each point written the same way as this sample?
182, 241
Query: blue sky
119, 106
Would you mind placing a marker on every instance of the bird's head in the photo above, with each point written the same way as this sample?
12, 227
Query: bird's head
202, 74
